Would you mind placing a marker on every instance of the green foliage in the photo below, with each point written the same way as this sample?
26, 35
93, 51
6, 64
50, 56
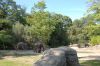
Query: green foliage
17, 30
23, 33
50, 28
59, 36
42, 25
6, 40
81, 30
92, 30
94, 34
95, 8
11, 11
90, 62
28, 35
95, 40
75, 32
40, 5
97, 30
5, 24
12, 63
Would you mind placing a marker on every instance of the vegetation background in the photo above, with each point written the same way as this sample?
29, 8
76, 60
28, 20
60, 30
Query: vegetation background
50, 29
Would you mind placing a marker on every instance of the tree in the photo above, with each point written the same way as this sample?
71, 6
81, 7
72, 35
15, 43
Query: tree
40, 6
29, 36
75, 31
95, 8
11, 11
59, 36
43, 24
93, 18
6, 40
18, 30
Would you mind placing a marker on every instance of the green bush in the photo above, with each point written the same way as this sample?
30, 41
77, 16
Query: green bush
95, 40
6, 40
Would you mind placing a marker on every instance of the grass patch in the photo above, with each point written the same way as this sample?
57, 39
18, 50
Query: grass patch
12, 63
90, 63
28, 61
19, 60
84, 52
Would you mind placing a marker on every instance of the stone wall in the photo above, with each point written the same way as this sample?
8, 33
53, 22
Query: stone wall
62, 56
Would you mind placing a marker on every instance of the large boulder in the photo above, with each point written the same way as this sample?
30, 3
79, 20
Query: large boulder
62, 56
22, 46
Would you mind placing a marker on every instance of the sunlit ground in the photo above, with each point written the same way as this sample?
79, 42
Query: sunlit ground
21, 62
86, 58
18, 60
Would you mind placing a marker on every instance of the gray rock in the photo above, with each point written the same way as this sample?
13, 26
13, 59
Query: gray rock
62, 56
22, 46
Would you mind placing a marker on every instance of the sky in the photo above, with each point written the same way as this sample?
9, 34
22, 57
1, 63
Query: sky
75, 9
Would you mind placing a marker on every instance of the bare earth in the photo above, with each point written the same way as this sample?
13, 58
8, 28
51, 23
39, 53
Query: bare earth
88, 53
83, 54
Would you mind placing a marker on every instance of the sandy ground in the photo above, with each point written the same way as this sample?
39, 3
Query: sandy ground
83, 54
88, 53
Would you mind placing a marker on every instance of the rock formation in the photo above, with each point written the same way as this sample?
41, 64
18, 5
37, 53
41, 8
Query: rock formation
62, 56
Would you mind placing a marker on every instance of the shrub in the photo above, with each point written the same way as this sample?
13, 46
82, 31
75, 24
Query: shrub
95, 40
